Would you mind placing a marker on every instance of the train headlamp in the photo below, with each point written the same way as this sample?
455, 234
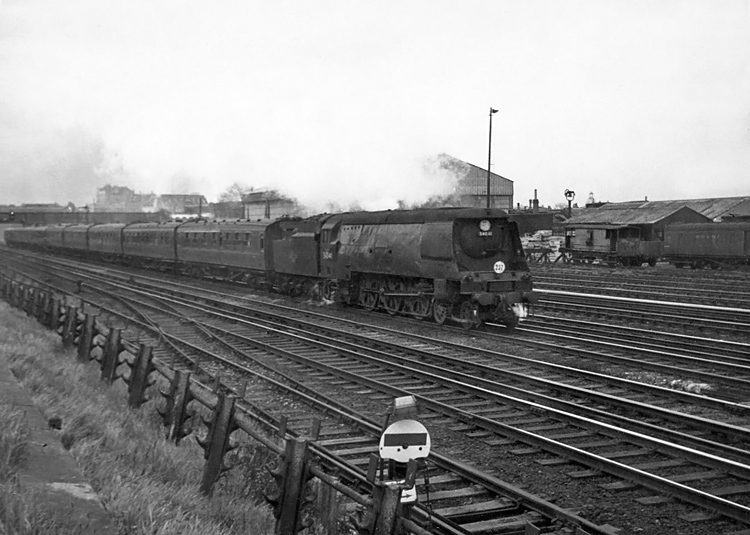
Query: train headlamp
484, 225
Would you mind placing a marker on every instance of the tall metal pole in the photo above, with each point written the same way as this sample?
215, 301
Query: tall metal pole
489, 158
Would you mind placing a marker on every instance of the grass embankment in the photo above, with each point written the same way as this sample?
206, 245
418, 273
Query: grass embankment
147, 484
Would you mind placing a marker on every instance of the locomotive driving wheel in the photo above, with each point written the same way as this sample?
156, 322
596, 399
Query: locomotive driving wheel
330, 291
369, 300
418, 307
368, 294
440, 312
392, 304
467, 314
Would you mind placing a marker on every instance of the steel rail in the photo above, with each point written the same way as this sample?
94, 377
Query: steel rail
644, 288
670, 306
667, 481
328, 405
683, 396
684, 341
657, 483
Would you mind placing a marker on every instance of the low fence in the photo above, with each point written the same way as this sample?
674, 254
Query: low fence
301, 475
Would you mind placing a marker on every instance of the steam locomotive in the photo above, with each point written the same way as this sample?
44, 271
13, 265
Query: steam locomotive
464, 265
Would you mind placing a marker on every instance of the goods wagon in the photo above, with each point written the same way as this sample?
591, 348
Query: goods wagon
708, 244
611, 244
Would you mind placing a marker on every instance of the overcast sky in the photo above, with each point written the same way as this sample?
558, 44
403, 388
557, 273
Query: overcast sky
344, 101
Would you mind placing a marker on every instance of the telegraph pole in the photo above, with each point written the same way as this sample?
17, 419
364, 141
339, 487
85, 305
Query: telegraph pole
489, 158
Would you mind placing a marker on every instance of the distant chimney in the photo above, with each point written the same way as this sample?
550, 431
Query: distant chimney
536, 203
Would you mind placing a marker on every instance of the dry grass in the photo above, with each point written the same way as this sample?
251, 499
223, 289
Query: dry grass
13, 441
147, 484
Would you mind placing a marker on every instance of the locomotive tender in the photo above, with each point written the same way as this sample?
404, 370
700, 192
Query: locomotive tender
461, 264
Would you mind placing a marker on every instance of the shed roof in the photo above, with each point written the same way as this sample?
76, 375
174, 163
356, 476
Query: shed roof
711, 208
624, 216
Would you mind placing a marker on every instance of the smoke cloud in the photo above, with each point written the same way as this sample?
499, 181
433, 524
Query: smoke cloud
345, 103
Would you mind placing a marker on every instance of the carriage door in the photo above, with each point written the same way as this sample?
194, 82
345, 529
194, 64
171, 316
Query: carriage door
329, 248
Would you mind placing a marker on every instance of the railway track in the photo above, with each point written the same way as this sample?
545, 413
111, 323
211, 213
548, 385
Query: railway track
692, 318
723, 288
329, 363
473, 408
696, 346
461, 499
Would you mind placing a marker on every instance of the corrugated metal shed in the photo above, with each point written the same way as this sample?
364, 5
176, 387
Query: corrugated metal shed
614, 217
475, 182
712, 208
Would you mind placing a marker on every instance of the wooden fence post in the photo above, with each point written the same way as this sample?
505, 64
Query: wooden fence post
27, 299
387, 496
382, 518
328, 505
14, 294
69, 327
290, 497
41, 309
217, 443
110, 359
175, 413
87, 338
37, 298
53, 313
139, 373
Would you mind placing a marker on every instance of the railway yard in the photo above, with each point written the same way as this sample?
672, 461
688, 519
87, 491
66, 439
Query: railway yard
620, 406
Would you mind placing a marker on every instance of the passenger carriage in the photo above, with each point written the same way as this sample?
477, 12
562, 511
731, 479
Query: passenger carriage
55, 239
76, 238
234, 250
31, 237
105, 241
150, 245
